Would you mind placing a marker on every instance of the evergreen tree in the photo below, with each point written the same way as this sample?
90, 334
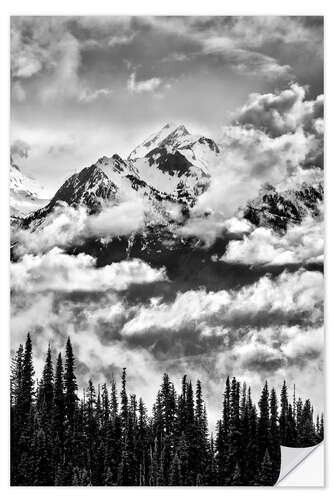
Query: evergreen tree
233, 452
190, 438
59, 409
15, 423
26, 394
176, 478
43, 475
267, 476
71, 406
46, 393
16, 375
263, 423
291, 435
283, 419
211, 476
25, 420
252, 450
306, 432
91, 430
124, 402
274, 435
201, 433
70, 384
59, 439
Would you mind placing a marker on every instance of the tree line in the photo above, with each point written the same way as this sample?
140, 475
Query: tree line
106, 437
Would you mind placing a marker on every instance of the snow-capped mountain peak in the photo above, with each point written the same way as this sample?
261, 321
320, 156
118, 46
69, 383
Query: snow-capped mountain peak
172, 164
167, 135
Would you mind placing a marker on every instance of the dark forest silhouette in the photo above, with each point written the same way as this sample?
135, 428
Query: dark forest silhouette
59, 439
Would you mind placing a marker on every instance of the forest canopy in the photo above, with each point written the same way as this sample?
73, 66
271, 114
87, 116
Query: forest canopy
107, 437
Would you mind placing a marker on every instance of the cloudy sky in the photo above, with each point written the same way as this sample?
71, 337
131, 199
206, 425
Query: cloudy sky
89, 86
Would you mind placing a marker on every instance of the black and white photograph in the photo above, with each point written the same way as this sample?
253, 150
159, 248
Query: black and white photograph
166, 248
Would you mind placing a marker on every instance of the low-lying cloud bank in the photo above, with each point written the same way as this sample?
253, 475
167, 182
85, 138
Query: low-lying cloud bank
272, 328
56, 271
301, 244
284, 299
66, 226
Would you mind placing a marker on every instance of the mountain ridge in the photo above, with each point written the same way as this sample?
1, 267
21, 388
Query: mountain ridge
167, 174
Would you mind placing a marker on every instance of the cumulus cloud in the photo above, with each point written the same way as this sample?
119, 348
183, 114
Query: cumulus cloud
262, 330
282, 112
66, 226
300, 293
138, 87
250, 158
213, 225
60, 272
275, 139
300, 244
270, 349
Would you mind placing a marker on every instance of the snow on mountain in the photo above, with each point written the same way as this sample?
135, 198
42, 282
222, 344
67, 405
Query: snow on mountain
175, 161
109, 180
175, 168
170, 171
169, 132
26, 195
200, 151
276, 208
89, 187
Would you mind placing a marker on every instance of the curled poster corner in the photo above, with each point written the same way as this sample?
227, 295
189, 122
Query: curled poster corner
292, 457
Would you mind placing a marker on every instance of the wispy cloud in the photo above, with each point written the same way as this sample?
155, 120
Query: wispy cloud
138, 87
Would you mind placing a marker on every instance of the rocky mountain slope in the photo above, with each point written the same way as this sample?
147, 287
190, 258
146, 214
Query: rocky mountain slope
173, 171
175, 167
276, 209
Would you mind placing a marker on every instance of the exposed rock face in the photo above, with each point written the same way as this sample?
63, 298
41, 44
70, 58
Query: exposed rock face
276, 209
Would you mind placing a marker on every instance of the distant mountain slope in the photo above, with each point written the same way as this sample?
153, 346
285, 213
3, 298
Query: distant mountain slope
26, 195
276, 209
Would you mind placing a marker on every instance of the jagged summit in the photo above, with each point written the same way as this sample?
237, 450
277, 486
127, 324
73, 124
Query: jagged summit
169, 133
172, 164
174, 170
